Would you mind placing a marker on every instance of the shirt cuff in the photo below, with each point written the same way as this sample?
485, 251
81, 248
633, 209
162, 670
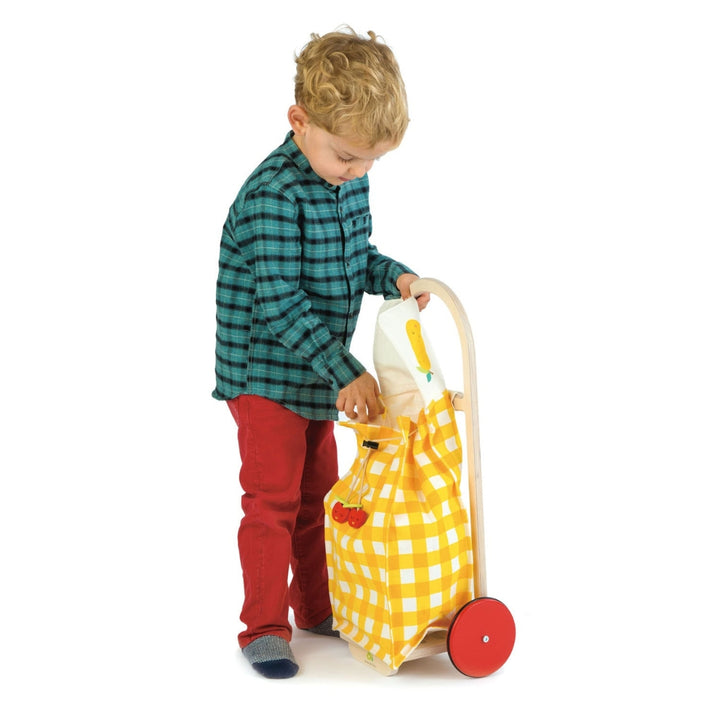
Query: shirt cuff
339, 368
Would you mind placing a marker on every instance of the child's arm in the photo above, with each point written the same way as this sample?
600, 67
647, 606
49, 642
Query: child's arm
269, 240
383, 272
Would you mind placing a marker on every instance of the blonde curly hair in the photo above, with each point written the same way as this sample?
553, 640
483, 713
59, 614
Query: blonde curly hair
351, 86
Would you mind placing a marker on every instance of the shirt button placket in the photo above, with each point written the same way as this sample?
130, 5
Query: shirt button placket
346, 228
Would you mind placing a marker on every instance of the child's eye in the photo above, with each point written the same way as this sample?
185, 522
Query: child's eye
345, 160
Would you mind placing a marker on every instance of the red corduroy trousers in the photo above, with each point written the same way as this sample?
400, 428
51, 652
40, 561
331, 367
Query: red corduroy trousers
288, 465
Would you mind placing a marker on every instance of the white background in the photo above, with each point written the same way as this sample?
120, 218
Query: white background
560, 173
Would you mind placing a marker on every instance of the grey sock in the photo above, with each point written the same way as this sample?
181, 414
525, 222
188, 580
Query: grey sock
324, 628
272, 657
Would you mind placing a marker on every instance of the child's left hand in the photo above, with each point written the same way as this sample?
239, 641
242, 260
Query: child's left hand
403, 285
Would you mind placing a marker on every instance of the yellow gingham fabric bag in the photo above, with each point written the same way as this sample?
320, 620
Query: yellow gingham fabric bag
403, 568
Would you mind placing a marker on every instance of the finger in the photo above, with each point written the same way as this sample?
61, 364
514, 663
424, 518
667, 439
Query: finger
374, 406
350, 408
422, 300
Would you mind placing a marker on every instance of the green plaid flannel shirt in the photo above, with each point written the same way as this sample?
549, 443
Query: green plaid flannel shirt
295, 261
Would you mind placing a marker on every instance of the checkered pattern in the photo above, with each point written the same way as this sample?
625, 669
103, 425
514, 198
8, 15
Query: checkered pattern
409, 567
295, 263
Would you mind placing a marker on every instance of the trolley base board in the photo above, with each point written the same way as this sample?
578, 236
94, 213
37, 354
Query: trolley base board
434, 643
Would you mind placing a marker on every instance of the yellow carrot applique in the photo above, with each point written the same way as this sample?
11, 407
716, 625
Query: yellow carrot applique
412, 328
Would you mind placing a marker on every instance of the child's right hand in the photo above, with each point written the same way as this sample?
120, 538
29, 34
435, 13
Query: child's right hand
361, 399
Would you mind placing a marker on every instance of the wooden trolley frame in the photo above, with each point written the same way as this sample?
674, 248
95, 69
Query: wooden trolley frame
482, 634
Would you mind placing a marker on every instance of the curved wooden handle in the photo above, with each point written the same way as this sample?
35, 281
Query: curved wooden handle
436, 287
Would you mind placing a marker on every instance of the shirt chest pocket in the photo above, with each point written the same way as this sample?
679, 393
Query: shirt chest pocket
356, 248
358, 228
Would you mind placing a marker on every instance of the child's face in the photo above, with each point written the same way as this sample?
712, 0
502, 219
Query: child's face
336, 159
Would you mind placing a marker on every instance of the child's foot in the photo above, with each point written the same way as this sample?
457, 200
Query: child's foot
324, 628
272, 657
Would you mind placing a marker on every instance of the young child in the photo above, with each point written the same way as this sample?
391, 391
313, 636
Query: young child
295, 261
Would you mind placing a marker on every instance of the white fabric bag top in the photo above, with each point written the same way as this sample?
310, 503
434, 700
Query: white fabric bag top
407, 368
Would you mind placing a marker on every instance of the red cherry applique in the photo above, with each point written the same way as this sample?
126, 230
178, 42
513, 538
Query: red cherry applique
340, 512
357, 517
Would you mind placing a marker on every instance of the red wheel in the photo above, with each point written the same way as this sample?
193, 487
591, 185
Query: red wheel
481, 637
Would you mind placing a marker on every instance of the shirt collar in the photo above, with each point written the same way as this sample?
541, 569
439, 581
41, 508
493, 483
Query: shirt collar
297, 156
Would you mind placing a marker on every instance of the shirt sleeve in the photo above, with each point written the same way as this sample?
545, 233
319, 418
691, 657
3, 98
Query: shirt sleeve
382, 274
270, 228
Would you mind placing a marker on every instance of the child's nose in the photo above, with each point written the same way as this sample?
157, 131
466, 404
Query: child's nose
361, 167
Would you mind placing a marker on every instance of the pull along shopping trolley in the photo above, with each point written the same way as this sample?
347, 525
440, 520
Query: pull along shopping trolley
403, 560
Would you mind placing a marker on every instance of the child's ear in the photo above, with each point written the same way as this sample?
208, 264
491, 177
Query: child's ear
298, 119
